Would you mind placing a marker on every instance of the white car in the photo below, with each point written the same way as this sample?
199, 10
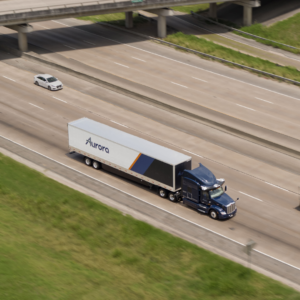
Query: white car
48, 81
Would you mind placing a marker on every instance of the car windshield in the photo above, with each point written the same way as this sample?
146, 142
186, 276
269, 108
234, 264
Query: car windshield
216, 192
51, 79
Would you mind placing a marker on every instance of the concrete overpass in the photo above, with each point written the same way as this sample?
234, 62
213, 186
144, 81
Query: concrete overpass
16, 14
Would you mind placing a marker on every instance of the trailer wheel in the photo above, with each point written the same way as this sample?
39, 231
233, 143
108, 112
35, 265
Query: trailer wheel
172, 197
162, 192
87, 161
96, 165
213, 214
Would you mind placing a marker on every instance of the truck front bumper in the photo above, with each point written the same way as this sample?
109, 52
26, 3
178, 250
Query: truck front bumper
227, 216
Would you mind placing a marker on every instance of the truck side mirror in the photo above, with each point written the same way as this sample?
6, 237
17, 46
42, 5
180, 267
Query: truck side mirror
237, 199
225, 188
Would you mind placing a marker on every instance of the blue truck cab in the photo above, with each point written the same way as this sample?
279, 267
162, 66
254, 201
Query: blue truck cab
203, 192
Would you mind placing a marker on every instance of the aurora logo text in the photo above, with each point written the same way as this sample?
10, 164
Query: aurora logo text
101, 148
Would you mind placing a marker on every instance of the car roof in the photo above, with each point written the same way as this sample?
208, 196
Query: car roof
45, 75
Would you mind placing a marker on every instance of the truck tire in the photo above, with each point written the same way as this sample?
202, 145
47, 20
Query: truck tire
162, 192
213, 214
172, 197
96, 165
87, 161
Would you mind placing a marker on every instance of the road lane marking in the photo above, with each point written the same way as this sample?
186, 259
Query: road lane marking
250, 196
8, 78
144, 201
257, 86
245, 107
36, 106
121, 65
70, 47
263, 100
192, 153
60, 100
89, 43
42, 26
278, 187
118, 123
199, 79
138, 59
61, 23
179, 84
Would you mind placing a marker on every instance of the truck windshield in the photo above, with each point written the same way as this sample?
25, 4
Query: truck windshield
216, 192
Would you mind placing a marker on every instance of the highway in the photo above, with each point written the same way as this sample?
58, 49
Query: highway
37, 118
265, 103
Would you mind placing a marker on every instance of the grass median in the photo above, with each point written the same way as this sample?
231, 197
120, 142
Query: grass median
285, 32
56, 243
208, 47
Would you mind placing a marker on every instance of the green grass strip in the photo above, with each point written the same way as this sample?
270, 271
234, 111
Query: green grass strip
195, 8
285, 32
56, 243
208, 47
115, 19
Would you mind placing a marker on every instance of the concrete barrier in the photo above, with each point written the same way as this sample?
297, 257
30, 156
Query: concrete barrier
169, 221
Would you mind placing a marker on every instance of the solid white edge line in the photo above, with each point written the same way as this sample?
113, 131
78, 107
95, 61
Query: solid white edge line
245, 107
192, 153
36, 106
149, 203
278, 187
70, 47
257, 86
60, 99
121, 65
263, 100
8, 78
199, 79
250, 196
179, 84
118, 123
138, 59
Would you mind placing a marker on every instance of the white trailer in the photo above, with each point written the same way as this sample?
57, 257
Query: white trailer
139, 159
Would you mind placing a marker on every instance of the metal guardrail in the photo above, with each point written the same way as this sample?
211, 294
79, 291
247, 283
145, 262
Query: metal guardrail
241, 31
40, 8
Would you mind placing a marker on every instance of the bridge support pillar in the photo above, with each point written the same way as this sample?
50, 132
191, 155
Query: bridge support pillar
129, 19
161, 13
22, 29
247, 19
248, 6
213, 9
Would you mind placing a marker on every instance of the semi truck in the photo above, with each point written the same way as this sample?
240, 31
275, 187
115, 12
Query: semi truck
168, 171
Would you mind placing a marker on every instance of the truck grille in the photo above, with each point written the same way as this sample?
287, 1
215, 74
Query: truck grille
231, 208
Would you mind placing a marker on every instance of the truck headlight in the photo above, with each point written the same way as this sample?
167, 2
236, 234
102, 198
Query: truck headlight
223, 213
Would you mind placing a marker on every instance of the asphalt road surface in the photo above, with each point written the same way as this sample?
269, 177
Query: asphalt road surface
37, 118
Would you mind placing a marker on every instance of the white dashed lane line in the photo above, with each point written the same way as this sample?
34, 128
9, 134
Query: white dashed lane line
179, 84
192, 153
278, 187
60, 100
36, 106
9, 78
89, 43
138, 59
118, 123
250, 196
245, 107
121, 65
199, 79
70, 47
263, 100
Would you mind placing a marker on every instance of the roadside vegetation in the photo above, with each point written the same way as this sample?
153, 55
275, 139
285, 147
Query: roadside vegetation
285, 32
115, 19
56, 243
195, 8
208, 47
